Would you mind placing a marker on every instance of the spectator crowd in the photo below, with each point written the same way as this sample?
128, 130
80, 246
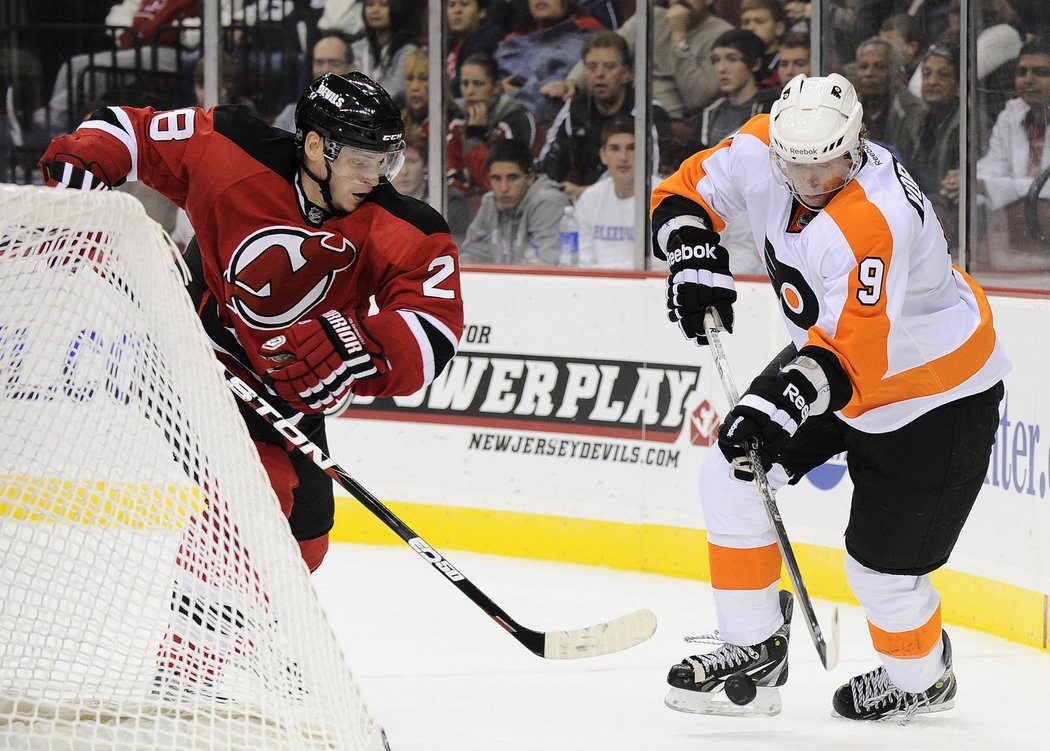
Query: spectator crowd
541, 96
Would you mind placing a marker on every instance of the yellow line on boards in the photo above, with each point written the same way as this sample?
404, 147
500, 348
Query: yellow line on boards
976, 602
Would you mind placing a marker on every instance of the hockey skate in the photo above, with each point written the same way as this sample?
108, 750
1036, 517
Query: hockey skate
872, 696
734, 681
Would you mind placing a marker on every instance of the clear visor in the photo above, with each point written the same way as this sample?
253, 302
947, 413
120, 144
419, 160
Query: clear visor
814, 183
353, 163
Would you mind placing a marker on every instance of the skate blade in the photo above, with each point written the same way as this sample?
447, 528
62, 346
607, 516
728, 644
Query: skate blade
950, 704
765, 704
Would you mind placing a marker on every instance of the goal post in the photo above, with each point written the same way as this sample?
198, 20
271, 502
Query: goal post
151, 596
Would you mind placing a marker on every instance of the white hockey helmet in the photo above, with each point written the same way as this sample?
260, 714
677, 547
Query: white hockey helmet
814, 136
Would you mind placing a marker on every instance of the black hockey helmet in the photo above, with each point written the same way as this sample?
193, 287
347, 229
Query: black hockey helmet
350, 110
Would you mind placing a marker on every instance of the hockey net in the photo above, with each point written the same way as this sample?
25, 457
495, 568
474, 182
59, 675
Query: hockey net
151, 596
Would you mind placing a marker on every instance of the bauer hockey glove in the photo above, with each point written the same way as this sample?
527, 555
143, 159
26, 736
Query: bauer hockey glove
698, 279
771, 411
317, 361
66, 170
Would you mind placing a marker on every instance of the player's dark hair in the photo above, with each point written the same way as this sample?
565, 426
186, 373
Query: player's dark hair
510, 151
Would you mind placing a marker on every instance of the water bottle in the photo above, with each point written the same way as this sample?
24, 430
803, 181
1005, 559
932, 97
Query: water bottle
570, 239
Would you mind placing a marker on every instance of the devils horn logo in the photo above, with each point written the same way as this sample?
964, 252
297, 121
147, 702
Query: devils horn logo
279, 273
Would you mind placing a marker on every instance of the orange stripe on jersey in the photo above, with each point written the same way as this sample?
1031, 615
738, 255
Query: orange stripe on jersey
743, 568
861, 341
684, 182
907, 645
862, 337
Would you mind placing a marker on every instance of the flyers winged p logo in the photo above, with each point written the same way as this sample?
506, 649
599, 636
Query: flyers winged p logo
279, 273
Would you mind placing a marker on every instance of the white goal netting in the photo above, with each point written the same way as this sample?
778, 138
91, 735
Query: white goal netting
151, 596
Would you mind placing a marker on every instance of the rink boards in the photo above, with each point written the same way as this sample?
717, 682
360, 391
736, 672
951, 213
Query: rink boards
572, 424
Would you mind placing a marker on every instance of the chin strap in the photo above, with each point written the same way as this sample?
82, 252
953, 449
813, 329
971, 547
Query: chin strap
325, 186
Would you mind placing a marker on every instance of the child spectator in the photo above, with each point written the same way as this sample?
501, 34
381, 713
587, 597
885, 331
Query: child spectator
570, 151
518, 222
470, 30
487, 118
605, 210
535, 61
767, 20
391, 32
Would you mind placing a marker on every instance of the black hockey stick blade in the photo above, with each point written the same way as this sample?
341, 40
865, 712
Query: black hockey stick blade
827, 650
603, 638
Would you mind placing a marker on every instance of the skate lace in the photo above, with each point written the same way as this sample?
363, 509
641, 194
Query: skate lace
726, 657
874, 690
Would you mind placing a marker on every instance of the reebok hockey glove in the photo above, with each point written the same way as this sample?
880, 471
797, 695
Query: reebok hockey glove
317, 361
70, 171
698, 279
771, 411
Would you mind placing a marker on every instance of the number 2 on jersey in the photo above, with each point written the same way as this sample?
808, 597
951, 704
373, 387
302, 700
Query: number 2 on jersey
870, 274
445, 266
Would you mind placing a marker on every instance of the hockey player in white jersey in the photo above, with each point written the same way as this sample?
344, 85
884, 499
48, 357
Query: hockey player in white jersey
893, 358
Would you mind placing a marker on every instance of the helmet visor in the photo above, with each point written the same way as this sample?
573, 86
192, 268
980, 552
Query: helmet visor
814, 183
353, 163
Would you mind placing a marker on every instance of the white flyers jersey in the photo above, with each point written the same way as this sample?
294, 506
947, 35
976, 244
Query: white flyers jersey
867, 278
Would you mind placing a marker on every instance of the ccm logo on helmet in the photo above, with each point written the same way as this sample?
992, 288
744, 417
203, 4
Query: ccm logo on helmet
685, 252
326, 93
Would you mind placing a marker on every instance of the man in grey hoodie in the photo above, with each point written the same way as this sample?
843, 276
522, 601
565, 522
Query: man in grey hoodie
518, 221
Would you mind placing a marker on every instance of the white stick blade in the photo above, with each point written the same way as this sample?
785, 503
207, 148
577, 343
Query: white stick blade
612, 636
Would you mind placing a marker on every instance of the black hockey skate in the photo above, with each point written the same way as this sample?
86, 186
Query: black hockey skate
734, 681
872, 696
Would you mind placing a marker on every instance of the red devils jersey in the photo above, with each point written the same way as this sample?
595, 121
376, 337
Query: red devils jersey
269, 257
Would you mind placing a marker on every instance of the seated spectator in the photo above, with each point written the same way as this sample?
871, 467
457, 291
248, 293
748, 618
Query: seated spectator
534, 61
342, 15
391, 32
605, 211
767, 20
332, 53
570, 154
936, 148
487, 118
88, 77
413, 180
902, 29
891, 113
470, 30
518, 221
794, 55
416, 72
1019, 148
798, 13
682, 79
737, 60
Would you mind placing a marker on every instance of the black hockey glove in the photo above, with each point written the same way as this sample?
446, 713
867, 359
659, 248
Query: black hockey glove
318, 361
771, 411
70, 171
698, 279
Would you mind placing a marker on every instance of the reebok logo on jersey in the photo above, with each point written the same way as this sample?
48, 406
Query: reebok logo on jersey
687, 252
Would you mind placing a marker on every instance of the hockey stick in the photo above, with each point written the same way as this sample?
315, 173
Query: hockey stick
603, 638
828, 651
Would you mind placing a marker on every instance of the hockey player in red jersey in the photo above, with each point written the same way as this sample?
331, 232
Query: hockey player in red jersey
297, 237
893, 359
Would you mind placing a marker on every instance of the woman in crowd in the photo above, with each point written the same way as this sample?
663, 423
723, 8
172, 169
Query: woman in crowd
488, 117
